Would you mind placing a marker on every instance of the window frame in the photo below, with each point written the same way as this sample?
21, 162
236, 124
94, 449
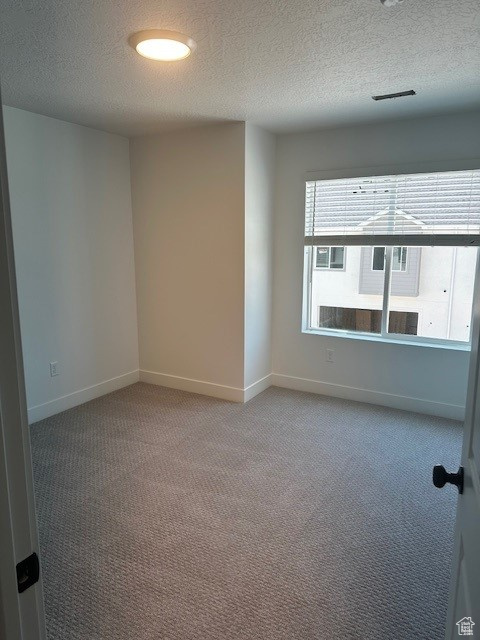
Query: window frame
362, 172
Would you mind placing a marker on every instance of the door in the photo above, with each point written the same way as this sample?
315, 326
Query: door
464, 607
21, 614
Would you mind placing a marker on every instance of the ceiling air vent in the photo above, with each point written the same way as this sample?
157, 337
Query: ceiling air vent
401, 94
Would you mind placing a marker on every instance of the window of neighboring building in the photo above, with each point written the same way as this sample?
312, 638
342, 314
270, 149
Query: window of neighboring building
399, 259
412, 250
330, 257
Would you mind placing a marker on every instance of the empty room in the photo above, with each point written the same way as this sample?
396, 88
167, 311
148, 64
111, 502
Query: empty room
239, 320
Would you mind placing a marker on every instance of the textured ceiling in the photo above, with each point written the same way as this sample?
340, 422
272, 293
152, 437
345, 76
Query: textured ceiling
284, 64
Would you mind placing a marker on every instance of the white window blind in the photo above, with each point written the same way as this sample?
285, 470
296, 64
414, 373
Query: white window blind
427, 208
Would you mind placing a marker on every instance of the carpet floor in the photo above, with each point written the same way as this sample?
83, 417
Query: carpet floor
165, 515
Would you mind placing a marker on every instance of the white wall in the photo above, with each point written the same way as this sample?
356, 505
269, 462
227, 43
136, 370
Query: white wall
391, 374
188, 203
259, 195
72, 226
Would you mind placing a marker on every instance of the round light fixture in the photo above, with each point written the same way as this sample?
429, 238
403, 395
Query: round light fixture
158, 44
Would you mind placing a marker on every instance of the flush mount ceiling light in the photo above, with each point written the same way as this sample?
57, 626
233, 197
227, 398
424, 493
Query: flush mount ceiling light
158, 44
390, 3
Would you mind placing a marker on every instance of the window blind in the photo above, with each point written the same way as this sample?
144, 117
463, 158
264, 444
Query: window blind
428, 208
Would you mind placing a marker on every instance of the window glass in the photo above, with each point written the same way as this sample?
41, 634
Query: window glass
335, 302
337, 257
350, 319
432, 298
378, 263
323, 257
399, 259
442, 308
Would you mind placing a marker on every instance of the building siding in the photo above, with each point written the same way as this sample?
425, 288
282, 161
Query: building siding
404, 283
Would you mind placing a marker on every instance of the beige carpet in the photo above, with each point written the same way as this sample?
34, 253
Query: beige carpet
167, 515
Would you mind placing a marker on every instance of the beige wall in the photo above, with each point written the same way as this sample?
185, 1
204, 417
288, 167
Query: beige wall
72, 229
188, 203
259, 195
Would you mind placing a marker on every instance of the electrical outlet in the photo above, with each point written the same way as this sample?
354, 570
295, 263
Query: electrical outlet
330, 355
54, 369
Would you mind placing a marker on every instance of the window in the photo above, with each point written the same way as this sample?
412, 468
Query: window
399, 259
330, 257
412, 250
378, 259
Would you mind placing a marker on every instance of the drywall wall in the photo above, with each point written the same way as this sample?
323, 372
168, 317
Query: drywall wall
259, 196
188, 209
389, 374
73, 237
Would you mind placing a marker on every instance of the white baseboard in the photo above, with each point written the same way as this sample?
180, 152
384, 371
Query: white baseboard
418, 405
234, 394
47, 409
257, 387
237, 394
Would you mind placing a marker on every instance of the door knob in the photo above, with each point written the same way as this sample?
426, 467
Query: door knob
441, 477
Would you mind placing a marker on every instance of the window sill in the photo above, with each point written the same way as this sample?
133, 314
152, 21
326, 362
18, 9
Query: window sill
438, 344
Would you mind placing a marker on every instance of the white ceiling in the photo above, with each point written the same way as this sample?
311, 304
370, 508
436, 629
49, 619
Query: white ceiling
284, 64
